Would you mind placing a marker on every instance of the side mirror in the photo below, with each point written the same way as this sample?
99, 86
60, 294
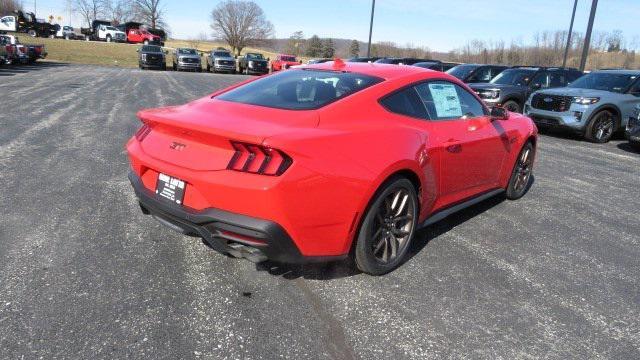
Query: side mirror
499, 113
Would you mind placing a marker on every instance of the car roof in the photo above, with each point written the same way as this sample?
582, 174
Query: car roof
385, 71
618, 71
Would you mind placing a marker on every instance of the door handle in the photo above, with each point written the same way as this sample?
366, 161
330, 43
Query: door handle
455, 148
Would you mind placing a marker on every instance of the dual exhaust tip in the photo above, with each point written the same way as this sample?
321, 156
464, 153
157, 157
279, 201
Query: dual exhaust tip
247, 252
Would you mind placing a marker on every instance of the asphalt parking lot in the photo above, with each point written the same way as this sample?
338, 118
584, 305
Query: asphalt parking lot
83, 274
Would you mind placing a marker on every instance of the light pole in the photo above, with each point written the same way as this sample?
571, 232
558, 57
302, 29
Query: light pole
566, 50
373, 7
587, 37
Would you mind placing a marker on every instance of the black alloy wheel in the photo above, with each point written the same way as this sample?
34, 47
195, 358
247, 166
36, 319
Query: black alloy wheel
387, 228
602, 127
522, 171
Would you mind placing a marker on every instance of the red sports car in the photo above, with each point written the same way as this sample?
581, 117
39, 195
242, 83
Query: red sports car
327, 161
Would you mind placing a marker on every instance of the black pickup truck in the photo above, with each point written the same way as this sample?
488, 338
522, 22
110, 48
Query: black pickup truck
253, 63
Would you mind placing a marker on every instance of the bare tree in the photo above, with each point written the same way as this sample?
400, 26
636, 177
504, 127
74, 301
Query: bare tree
150, 12
119, 11
89, 9
9, 6
240, 24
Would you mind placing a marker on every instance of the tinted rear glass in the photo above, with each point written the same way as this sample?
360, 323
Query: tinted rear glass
299, 89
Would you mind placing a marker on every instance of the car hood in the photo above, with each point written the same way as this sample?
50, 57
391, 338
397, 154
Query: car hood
569, 91
489, 86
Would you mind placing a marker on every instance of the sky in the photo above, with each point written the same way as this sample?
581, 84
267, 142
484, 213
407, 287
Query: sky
440, 25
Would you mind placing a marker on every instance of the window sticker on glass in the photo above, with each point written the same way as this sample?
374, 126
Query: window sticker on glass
446, 101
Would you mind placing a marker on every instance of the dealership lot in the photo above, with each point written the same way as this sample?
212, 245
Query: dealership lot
83, 273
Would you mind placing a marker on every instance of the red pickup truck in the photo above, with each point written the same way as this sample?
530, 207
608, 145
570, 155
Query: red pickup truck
283, 62
137, 36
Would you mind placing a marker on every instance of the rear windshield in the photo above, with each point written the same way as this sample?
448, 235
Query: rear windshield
299, 89
605, 81
288, 58
519, 77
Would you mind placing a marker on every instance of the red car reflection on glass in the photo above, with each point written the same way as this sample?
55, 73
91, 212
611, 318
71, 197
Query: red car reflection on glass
327, 161
283, 62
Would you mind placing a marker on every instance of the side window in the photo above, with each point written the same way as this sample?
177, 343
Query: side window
495, 71
405, 102
573, 76
482, 75
557, 79
635, 88
446, 101
541, 79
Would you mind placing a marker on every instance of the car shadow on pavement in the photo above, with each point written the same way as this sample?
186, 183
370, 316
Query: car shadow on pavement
10, 70
628, 147
319, 271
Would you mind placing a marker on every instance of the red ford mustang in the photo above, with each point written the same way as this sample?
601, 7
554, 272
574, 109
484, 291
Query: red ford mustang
327, 161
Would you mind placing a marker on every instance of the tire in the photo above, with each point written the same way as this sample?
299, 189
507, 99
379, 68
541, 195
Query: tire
208, 67
163, 67
32, 33
520, 180
601, 127
387, 228
175, 67
512, 106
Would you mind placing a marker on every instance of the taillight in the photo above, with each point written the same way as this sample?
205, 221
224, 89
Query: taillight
143, 132
257, 159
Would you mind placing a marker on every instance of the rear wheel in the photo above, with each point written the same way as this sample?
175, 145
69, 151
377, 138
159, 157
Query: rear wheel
512, 106
521, 174
601, 127
387, 228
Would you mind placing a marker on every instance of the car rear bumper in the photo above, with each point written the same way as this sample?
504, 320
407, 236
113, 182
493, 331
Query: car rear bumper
226, 232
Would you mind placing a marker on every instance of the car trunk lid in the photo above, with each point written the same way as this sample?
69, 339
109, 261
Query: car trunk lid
198, 135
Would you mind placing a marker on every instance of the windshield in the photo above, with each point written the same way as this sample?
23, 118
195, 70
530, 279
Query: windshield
151, 48
187, 52
252, 56
462, 71
520, 77
222, 54
111, 28
299, 89
604, 81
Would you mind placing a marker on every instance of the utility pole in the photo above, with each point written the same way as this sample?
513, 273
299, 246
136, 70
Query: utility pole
566, 50
373, 7
587, 38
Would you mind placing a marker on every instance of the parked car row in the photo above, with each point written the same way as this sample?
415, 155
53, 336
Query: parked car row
217, 61
14, 52
596, 105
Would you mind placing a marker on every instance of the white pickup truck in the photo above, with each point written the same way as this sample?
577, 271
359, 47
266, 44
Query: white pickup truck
101, 30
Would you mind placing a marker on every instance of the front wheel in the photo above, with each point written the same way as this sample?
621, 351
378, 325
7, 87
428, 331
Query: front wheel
387, 228
32, 33
601, 127
521, 174
512, 106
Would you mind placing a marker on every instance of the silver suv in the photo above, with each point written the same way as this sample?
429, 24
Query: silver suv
596, 105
